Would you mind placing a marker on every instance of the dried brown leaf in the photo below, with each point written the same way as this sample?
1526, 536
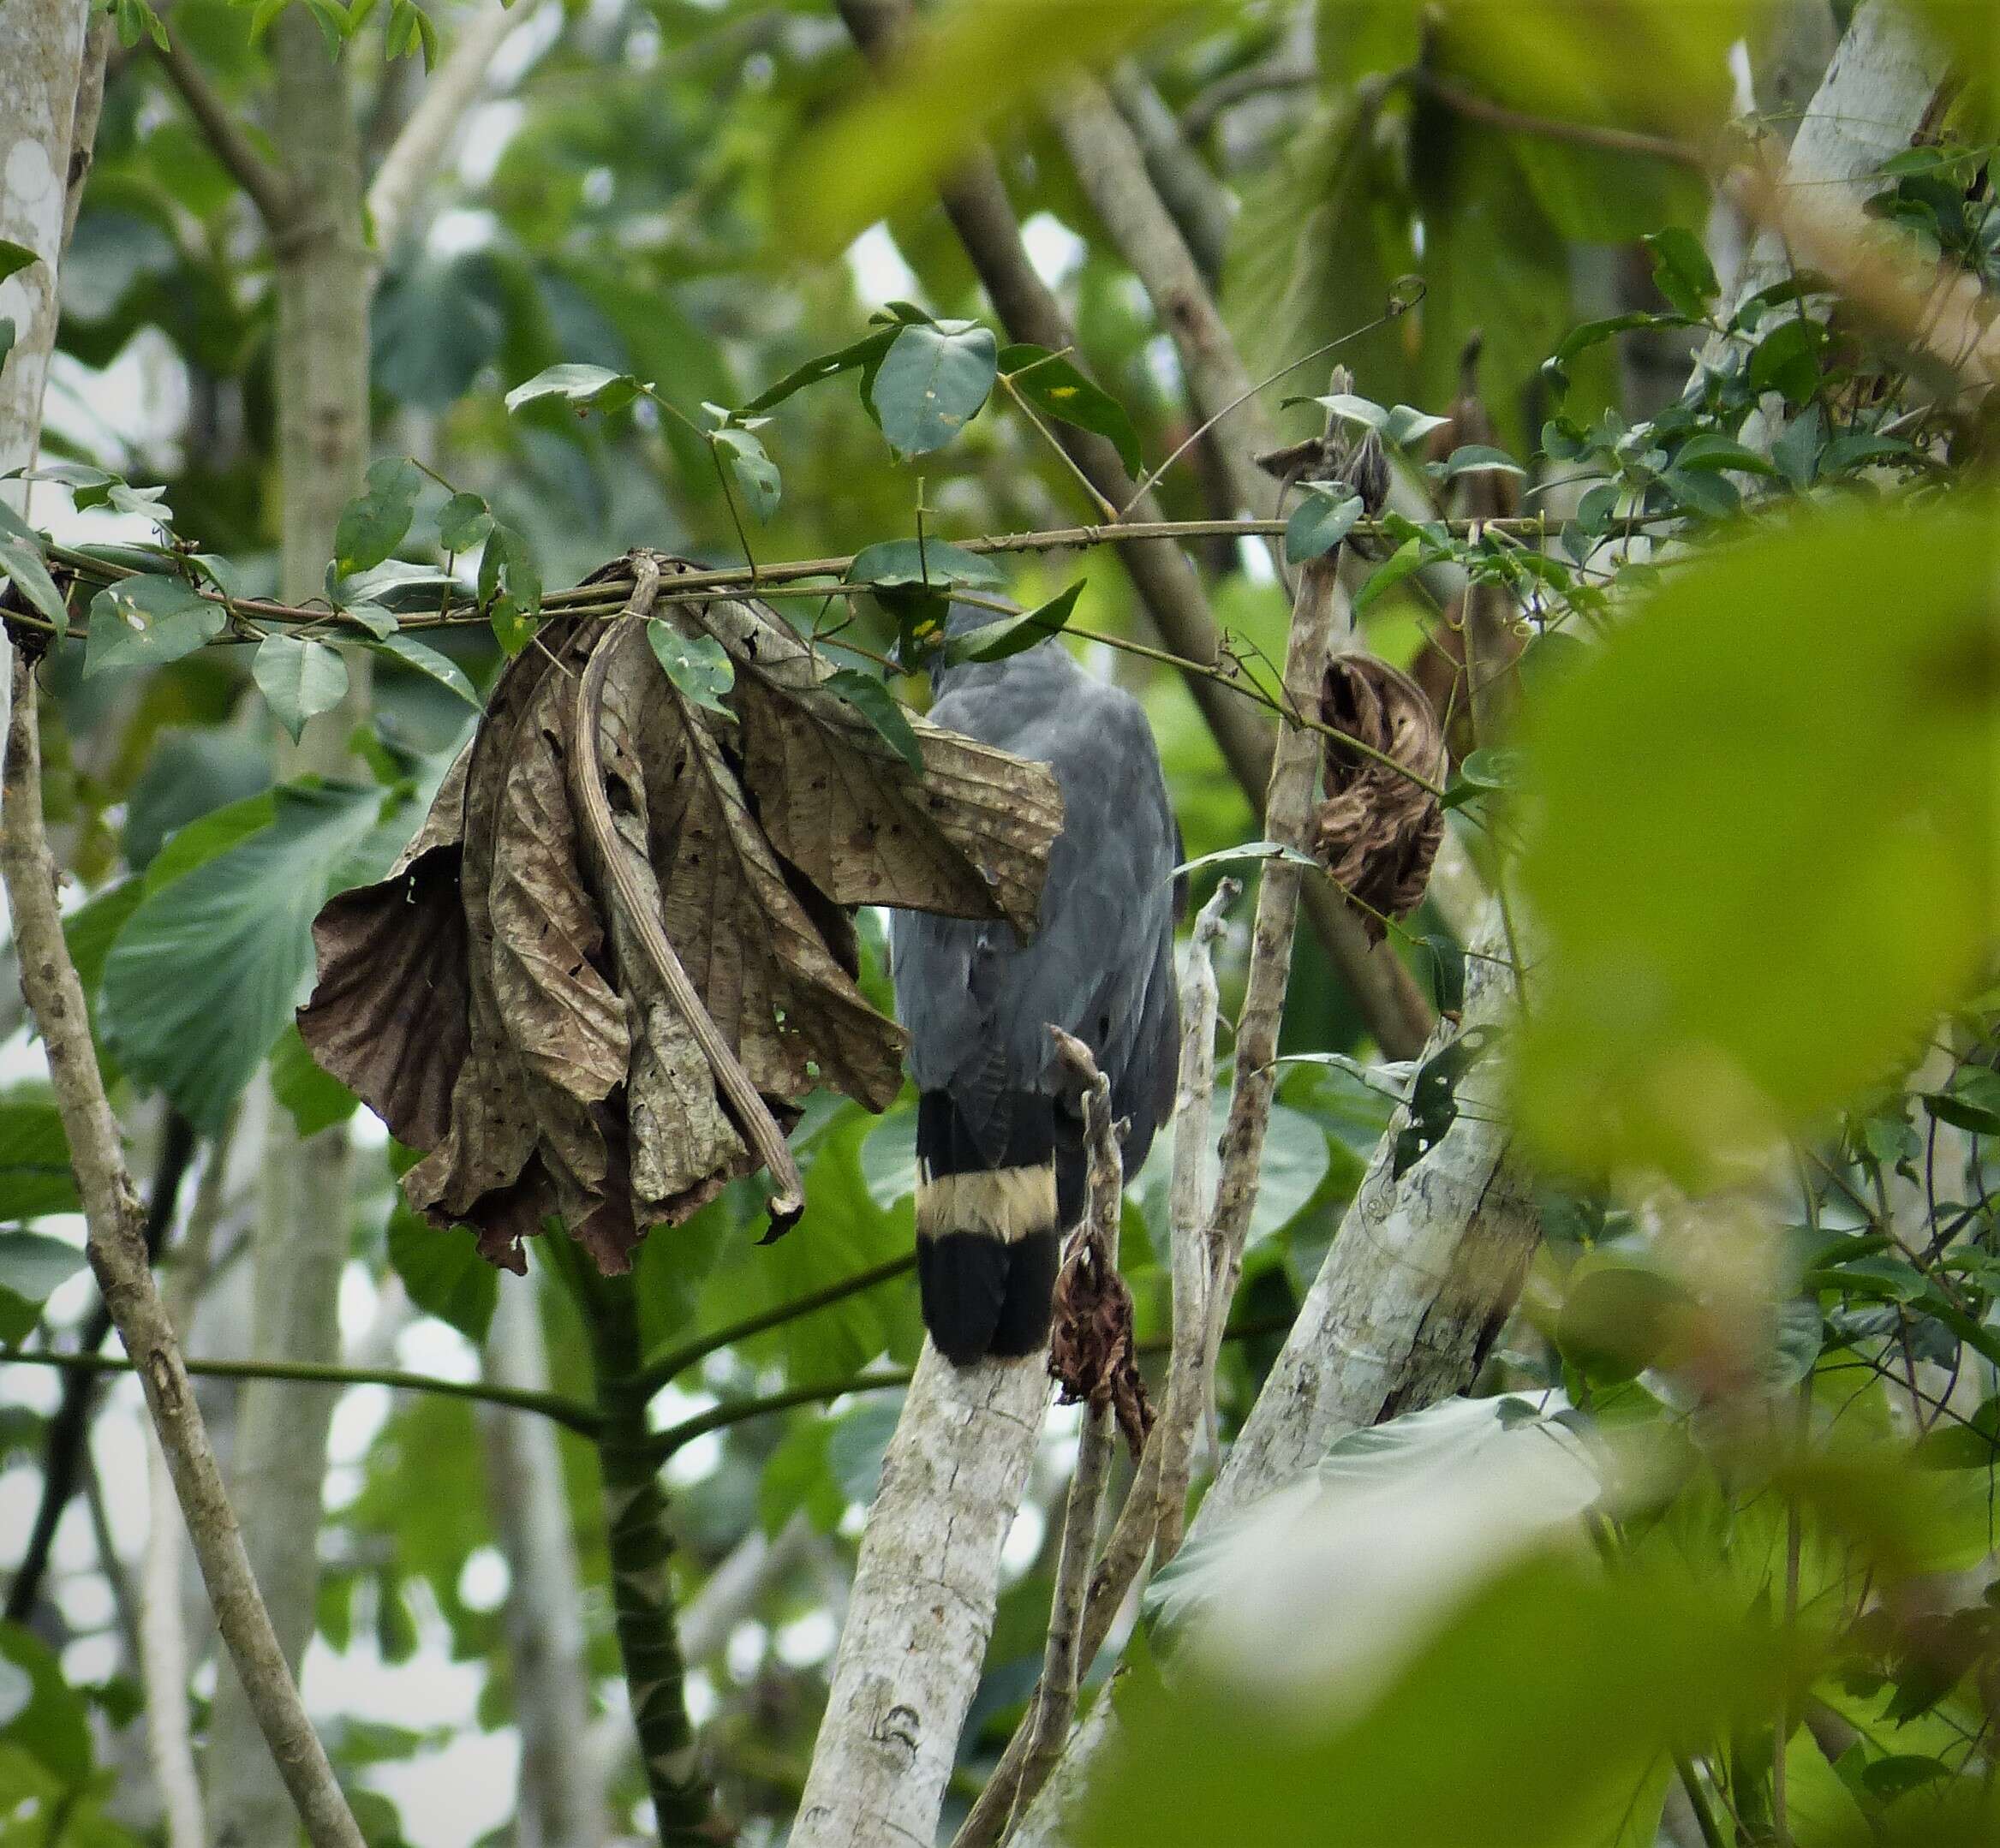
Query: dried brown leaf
969, 838
388, 1017
1377, 831
499, 1002
1090, 1352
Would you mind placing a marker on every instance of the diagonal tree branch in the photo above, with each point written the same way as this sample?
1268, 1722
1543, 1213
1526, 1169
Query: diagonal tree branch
269, 188
117, 1254
414, 156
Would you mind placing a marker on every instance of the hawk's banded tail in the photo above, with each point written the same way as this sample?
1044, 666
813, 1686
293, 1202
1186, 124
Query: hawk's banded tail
988, 1232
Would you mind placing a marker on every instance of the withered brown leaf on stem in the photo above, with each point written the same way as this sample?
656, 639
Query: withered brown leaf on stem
1377, 831
493, 1001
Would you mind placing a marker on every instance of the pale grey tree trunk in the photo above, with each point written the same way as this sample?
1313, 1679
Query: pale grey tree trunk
41, 69
560, 1801
301, 1239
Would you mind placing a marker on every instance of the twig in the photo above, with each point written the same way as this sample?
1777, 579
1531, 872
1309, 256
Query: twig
570, 1413
593, 812
1189, 1400
270, 188
664, 1365
1476, 108
662, 1445
1223, 95
117, 1248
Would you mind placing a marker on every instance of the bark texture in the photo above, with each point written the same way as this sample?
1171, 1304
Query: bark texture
922, 1605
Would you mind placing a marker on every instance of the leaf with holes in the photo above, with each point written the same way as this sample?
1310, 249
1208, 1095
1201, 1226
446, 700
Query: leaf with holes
144, 622
755, 473
698, 666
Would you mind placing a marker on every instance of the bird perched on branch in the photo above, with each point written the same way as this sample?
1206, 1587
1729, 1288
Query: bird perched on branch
1000, 1148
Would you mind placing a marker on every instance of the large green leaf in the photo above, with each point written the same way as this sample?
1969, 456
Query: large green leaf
1054, 386
444, 1273
1764, 853
141, 622
35, 1176
1541, 1712
931, 384
22, 562
208, 970
32, 1267
963, 67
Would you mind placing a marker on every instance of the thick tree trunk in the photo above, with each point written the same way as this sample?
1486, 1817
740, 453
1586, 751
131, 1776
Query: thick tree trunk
302, 1238
41, 65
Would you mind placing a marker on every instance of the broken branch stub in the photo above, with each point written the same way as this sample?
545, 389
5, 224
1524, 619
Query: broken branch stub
619, 952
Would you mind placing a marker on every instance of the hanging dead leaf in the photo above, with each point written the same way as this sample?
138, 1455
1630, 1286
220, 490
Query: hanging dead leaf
1377, 831
617, 956
1091, 1342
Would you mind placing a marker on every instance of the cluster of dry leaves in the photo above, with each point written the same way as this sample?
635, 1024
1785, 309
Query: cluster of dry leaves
619, 952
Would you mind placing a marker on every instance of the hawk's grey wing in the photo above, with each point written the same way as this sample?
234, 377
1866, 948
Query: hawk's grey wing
1000, 1155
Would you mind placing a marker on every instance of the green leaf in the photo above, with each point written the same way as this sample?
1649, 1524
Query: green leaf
1619, 1318
698, 666
1682, 271
1408, 425
997, 640
208, 970
755, 473
931, 384
1476, 457
299, 679
1713, 451
316, 1098
17, 1689
865, 353
1496, 766
14, 257
1319, 523
1764, 822
882, 709
1787, 359
22, 561
1962, 1112
1351, 409
145, 621
35, 1175
1399, 565
463, 522
9, 334
509, 581
426, 660
589, 388
1056, 388
898, 562
956, 74
53, 1726
372, 524
34, 1266
444, 1273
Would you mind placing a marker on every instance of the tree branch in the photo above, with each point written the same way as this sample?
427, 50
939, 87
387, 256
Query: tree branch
419, 146
572, 1413
268, 187
1480, 109
922, 1607
117, 1256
